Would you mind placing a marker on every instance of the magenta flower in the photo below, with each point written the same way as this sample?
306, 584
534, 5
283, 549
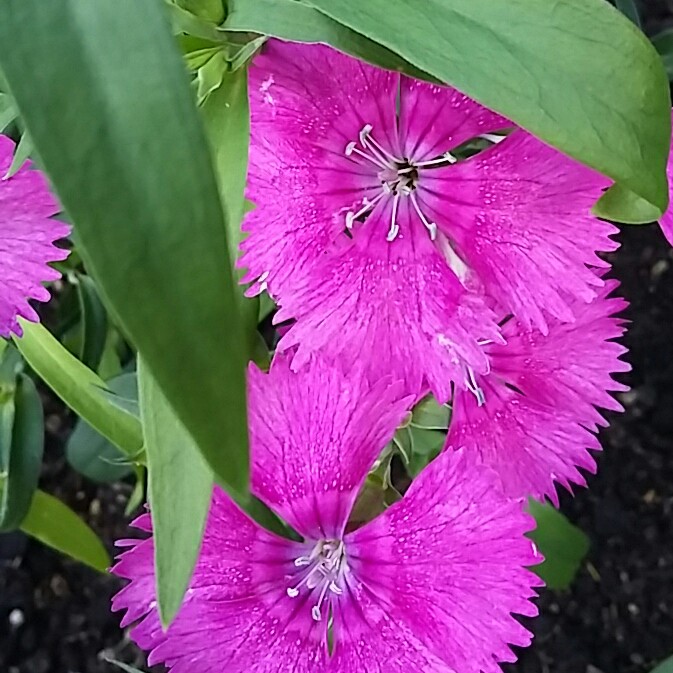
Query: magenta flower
382, 245
532, 418
26, 241
430, 585
666, 221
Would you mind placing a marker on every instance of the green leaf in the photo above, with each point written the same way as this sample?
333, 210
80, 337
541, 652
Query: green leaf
129, 159
292, 20
629, 9
428, 414
94, 322
663, 43
227, 122
93, 455
563, 545
20, 470
56, 525
180, 488
209, 10
551, 67
21, 155
209, 76
665, 666
7, 114
184, 21
78, 387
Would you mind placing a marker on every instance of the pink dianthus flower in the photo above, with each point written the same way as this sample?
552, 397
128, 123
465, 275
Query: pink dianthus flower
430, 585
27, 235
382, 244
532, 418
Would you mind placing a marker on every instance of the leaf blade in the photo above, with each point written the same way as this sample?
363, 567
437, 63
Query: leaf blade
129, 160
56, 525
25, 459
180, 487
563, 545
78, 387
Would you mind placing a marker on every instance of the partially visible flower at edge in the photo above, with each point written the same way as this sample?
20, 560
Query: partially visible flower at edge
430, 585
27, 235
534, 416
382, 245
666, 221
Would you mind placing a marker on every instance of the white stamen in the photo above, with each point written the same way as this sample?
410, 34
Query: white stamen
394, 228
430, 226
368, 205
365, 131
447, 157
327, 567
352, 148
472, 385
492, 138
302, 561
368, 141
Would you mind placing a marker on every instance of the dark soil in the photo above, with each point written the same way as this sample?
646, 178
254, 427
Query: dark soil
616, 618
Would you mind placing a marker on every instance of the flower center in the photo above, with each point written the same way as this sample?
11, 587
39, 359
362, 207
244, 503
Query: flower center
323, 574
399, 177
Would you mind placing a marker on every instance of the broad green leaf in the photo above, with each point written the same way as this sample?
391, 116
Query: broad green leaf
94, 322
294, 21
56, 525
665, 666
563, 545
629, 8
180, 488
129, 159
20, 470
663, 43
551, 67
93, 455
78, 387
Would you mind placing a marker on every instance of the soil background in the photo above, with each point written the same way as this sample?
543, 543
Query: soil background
616, 618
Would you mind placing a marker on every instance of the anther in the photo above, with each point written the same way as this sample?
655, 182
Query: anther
364, 132
394, 228
315, 613
368, 205
352, 148
292, 592
368, 141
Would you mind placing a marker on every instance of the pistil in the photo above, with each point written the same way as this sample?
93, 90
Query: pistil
325, 565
